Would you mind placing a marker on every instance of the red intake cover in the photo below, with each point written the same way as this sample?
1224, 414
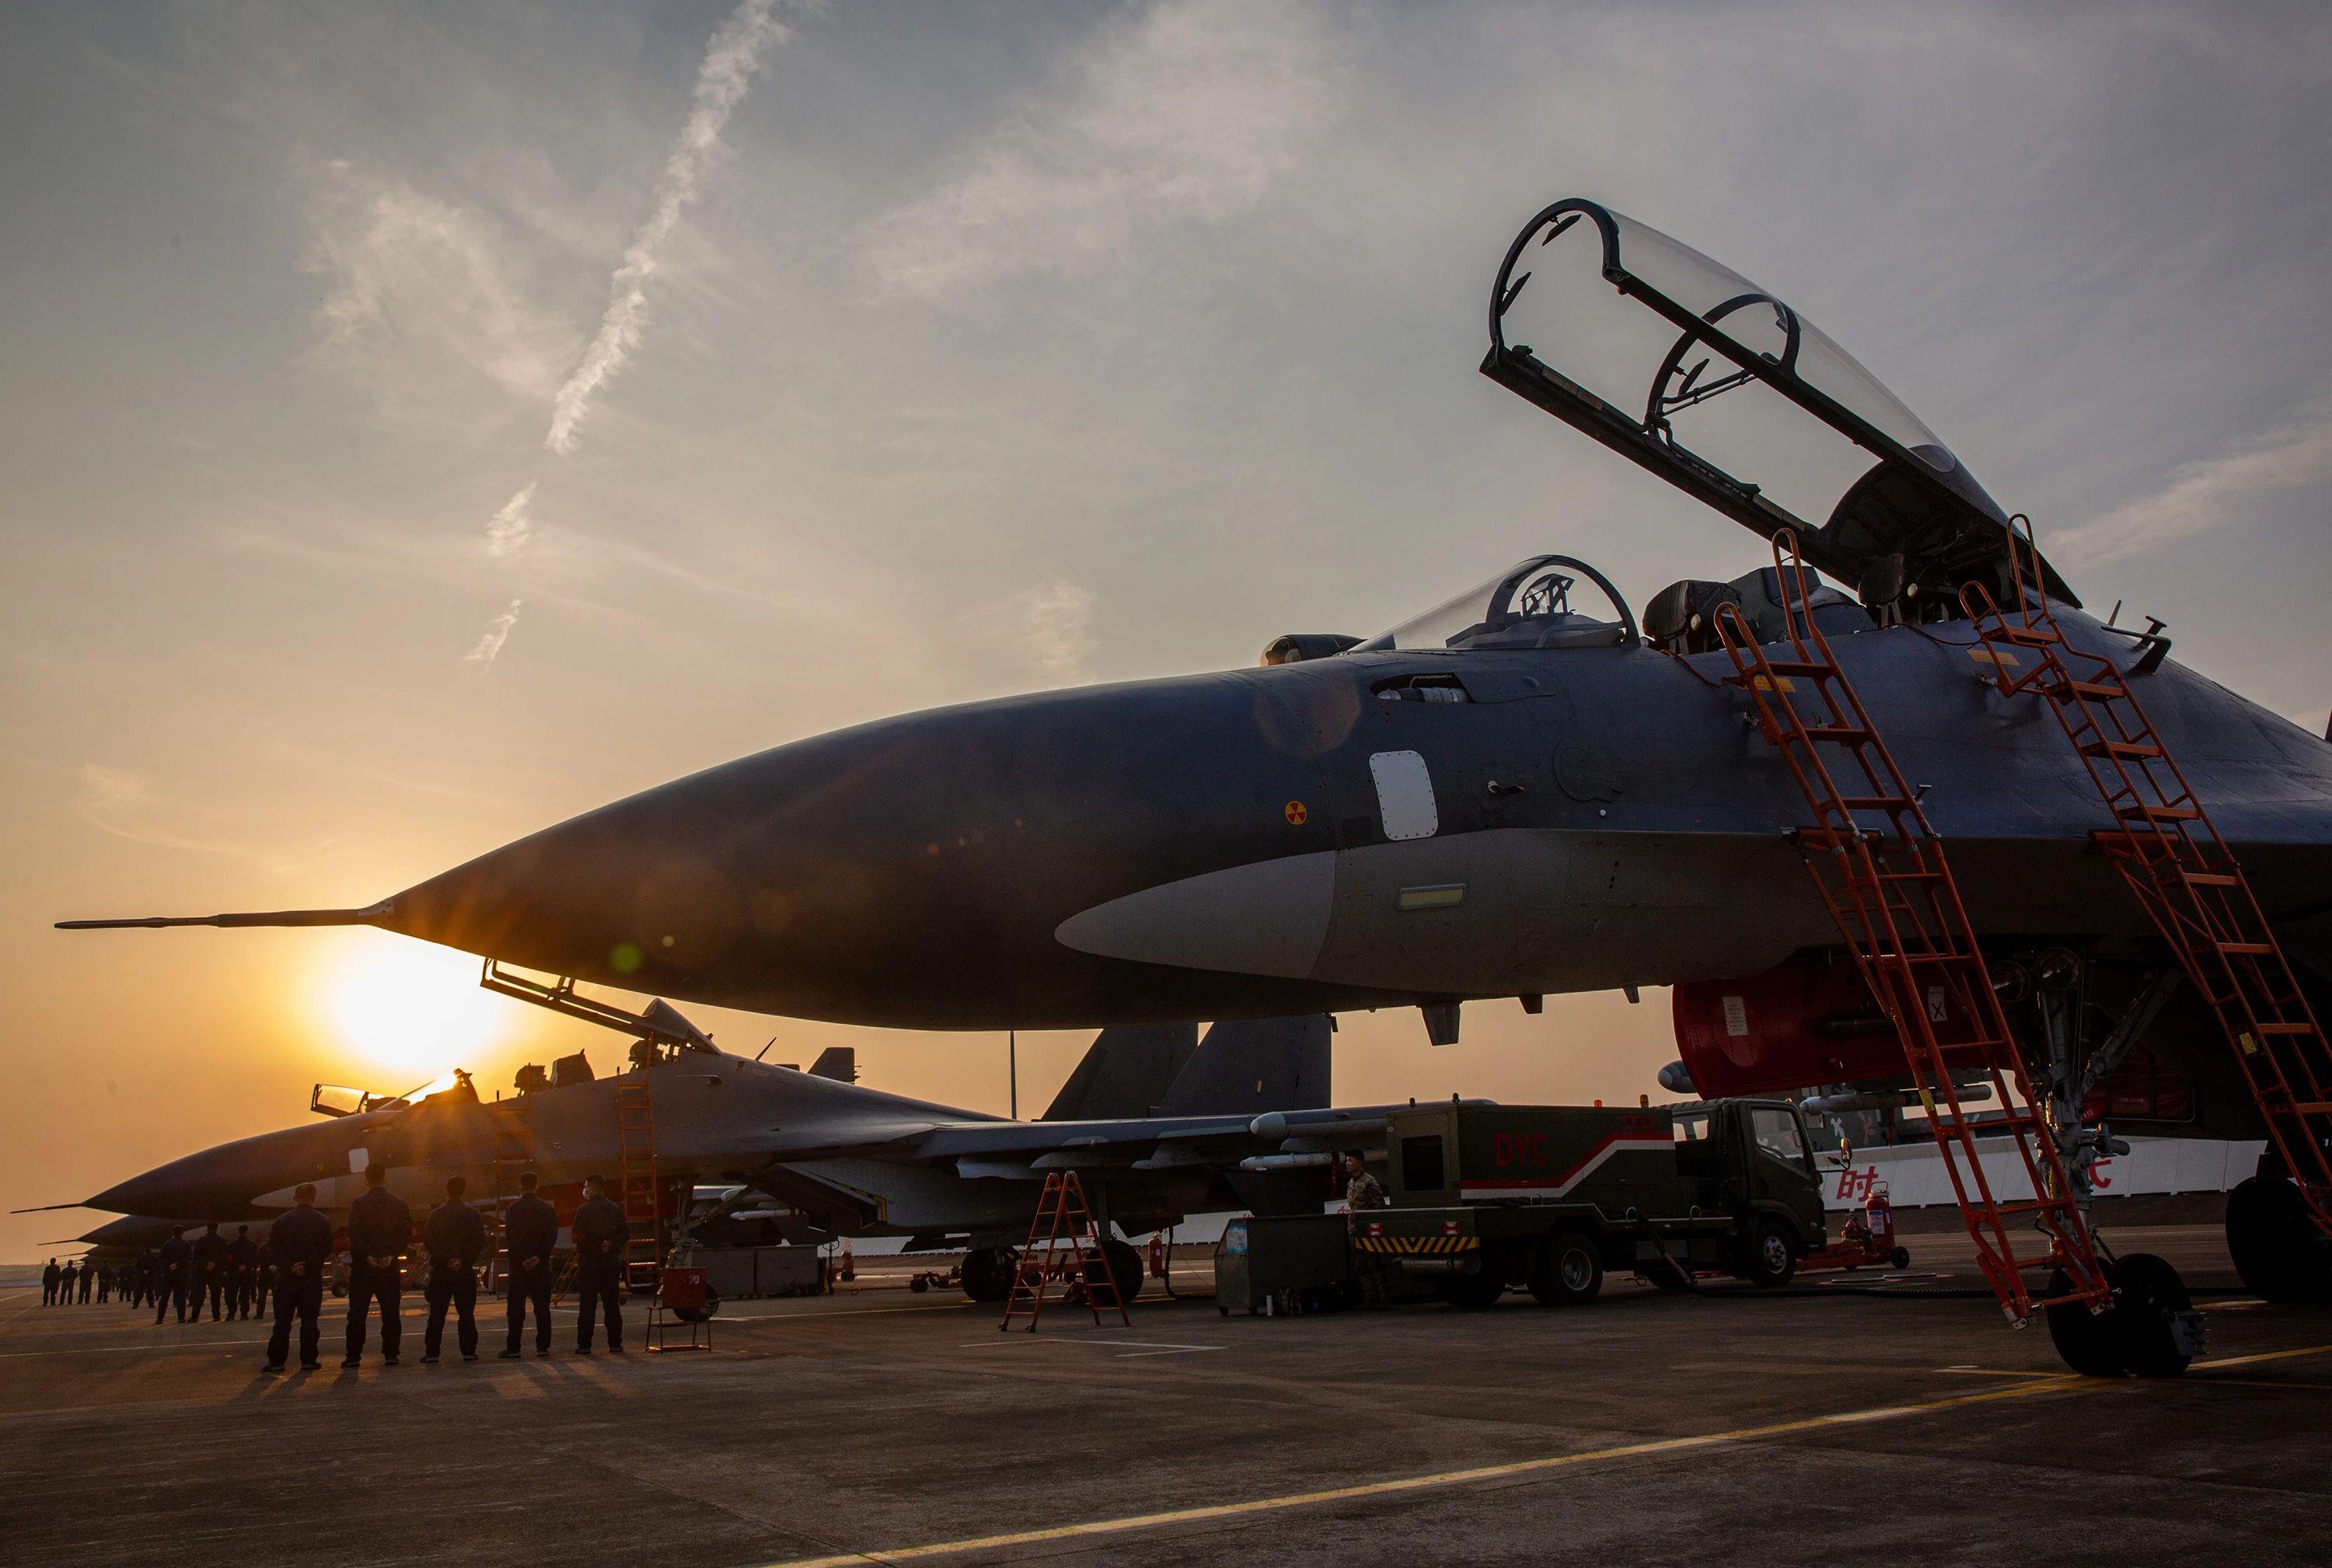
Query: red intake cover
1811, 1022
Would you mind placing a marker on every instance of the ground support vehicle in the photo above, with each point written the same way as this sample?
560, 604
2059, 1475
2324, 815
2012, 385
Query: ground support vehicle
1550, 1198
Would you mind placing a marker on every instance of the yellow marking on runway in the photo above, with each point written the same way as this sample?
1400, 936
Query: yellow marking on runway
2024, 1390
2254, 1359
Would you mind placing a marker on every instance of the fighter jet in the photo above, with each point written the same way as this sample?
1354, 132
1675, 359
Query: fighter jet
1525, 788
1158, 1124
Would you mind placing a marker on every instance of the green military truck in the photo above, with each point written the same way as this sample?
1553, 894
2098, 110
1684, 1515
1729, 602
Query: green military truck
1549, 1197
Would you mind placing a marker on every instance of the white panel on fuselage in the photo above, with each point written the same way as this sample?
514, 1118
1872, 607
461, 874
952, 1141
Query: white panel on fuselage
1405, 795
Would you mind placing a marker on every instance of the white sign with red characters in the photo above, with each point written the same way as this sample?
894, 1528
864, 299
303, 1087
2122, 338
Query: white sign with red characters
1914, 1175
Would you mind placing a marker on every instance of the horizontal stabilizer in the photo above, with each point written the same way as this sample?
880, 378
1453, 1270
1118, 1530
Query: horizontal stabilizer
272, 917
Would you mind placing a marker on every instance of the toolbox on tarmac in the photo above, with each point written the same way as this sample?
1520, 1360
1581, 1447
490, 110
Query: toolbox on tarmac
1282, 1264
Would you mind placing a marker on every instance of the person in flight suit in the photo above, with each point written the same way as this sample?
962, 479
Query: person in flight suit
243, 1265
65, 1283
210, 1263
457, 1238
88, 1280
600, 1231
529, 1232
50, 1276
104, 1284
170, 1285
301, 1244
380, 1226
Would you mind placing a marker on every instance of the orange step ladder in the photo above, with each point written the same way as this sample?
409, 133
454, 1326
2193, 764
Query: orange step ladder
2180, 870
1882, 873
1064, 1250
643, 1191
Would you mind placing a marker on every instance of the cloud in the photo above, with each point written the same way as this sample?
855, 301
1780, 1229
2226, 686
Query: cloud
507, 529
1049, 624
2213, 492
1186, 113
489, 641
421, 287
731, 59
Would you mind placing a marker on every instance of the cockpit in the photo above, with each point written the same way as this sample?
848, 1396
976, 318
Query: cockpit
1527, 605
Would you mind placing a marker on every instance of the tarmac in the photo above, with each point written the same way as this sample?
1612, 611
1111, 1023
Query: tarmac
1862, 1420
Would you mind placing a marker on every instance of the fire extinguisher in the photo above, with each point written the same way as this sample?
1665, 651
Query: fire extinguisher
1879, 1215
1158, 1255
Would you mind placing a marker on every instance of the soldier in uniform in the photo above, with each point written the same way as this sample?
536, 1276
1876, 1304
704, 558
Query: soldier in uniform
1361, 1191
210, 1264
243, 1265
299, 1244
380, 1228
457, 1238
88, 1280
170, 1287
104, 1284
50, 1278
529, 1232
65, 1283
600, 1231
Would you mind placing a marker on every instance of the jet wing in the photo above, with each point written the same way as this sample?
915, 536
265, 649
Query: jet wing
1696, 373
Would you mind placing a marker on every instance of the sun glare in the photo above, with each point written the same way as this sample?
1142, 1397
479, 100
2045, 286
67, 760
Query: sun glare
409, 1011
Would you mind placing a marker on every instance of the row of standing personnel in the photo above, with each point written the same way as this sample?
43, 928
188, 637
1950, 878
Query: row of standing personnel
232, 1275
380, 1228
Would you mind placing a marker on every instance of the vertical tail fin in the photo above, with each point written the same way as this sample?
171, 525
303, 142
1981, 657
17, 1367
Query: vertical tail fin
1126, 1073
1246, 1066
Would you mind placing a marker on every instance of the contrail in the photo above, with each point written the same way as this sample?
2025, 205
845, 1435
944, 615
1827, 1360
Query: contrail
497, 633
731, 58
730, 61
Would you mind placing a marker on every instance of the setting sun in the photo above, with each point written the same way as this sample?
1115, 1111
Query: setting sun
408, 1011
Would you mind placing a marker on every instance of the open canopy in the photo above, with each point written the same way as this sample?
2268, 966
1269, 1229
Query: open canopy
1727, 392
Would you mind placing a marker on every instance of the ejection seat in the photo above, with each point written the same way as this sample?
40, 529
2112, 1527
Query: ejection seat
1681, 618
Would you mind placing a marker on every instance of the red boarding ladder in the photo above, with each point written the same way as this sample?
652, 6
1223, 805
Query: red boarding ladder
2180, 870
1064, 1250
635, 1161
1881, 873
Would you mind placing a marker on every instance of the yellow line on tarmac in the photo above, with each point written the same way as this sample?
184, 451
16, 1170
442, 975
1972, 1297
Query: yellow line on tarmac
2024, 1389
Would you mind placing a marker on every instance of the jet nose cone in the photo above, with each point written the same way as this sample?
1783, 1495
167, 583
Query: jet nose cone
222, 1183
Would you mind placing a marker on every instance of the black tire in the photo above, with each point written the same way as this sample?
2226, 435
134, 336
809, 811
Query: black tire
1772, 1254
987, 1272
1124, 1266
920, 1283
2148, 1299
2085, 1340
1899, 1258
2274, 1243
1566, 1271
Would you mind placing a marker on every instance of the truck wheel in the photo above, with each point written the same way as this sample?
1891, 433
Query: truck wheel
1772, 1256
987, 1274
1567, 1271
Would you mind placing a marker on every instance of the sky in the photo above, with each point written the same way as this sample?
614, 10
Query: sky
419, 424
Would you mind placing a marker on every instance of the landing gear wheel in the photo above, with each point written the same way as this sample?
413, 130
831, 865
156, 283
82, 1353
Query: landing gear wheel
920, 1283
1124, 1266
1772, 1256
1472, 1292
2274, 1242
1567, 1271
2152, 1316
987, 1272
2085, 1340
